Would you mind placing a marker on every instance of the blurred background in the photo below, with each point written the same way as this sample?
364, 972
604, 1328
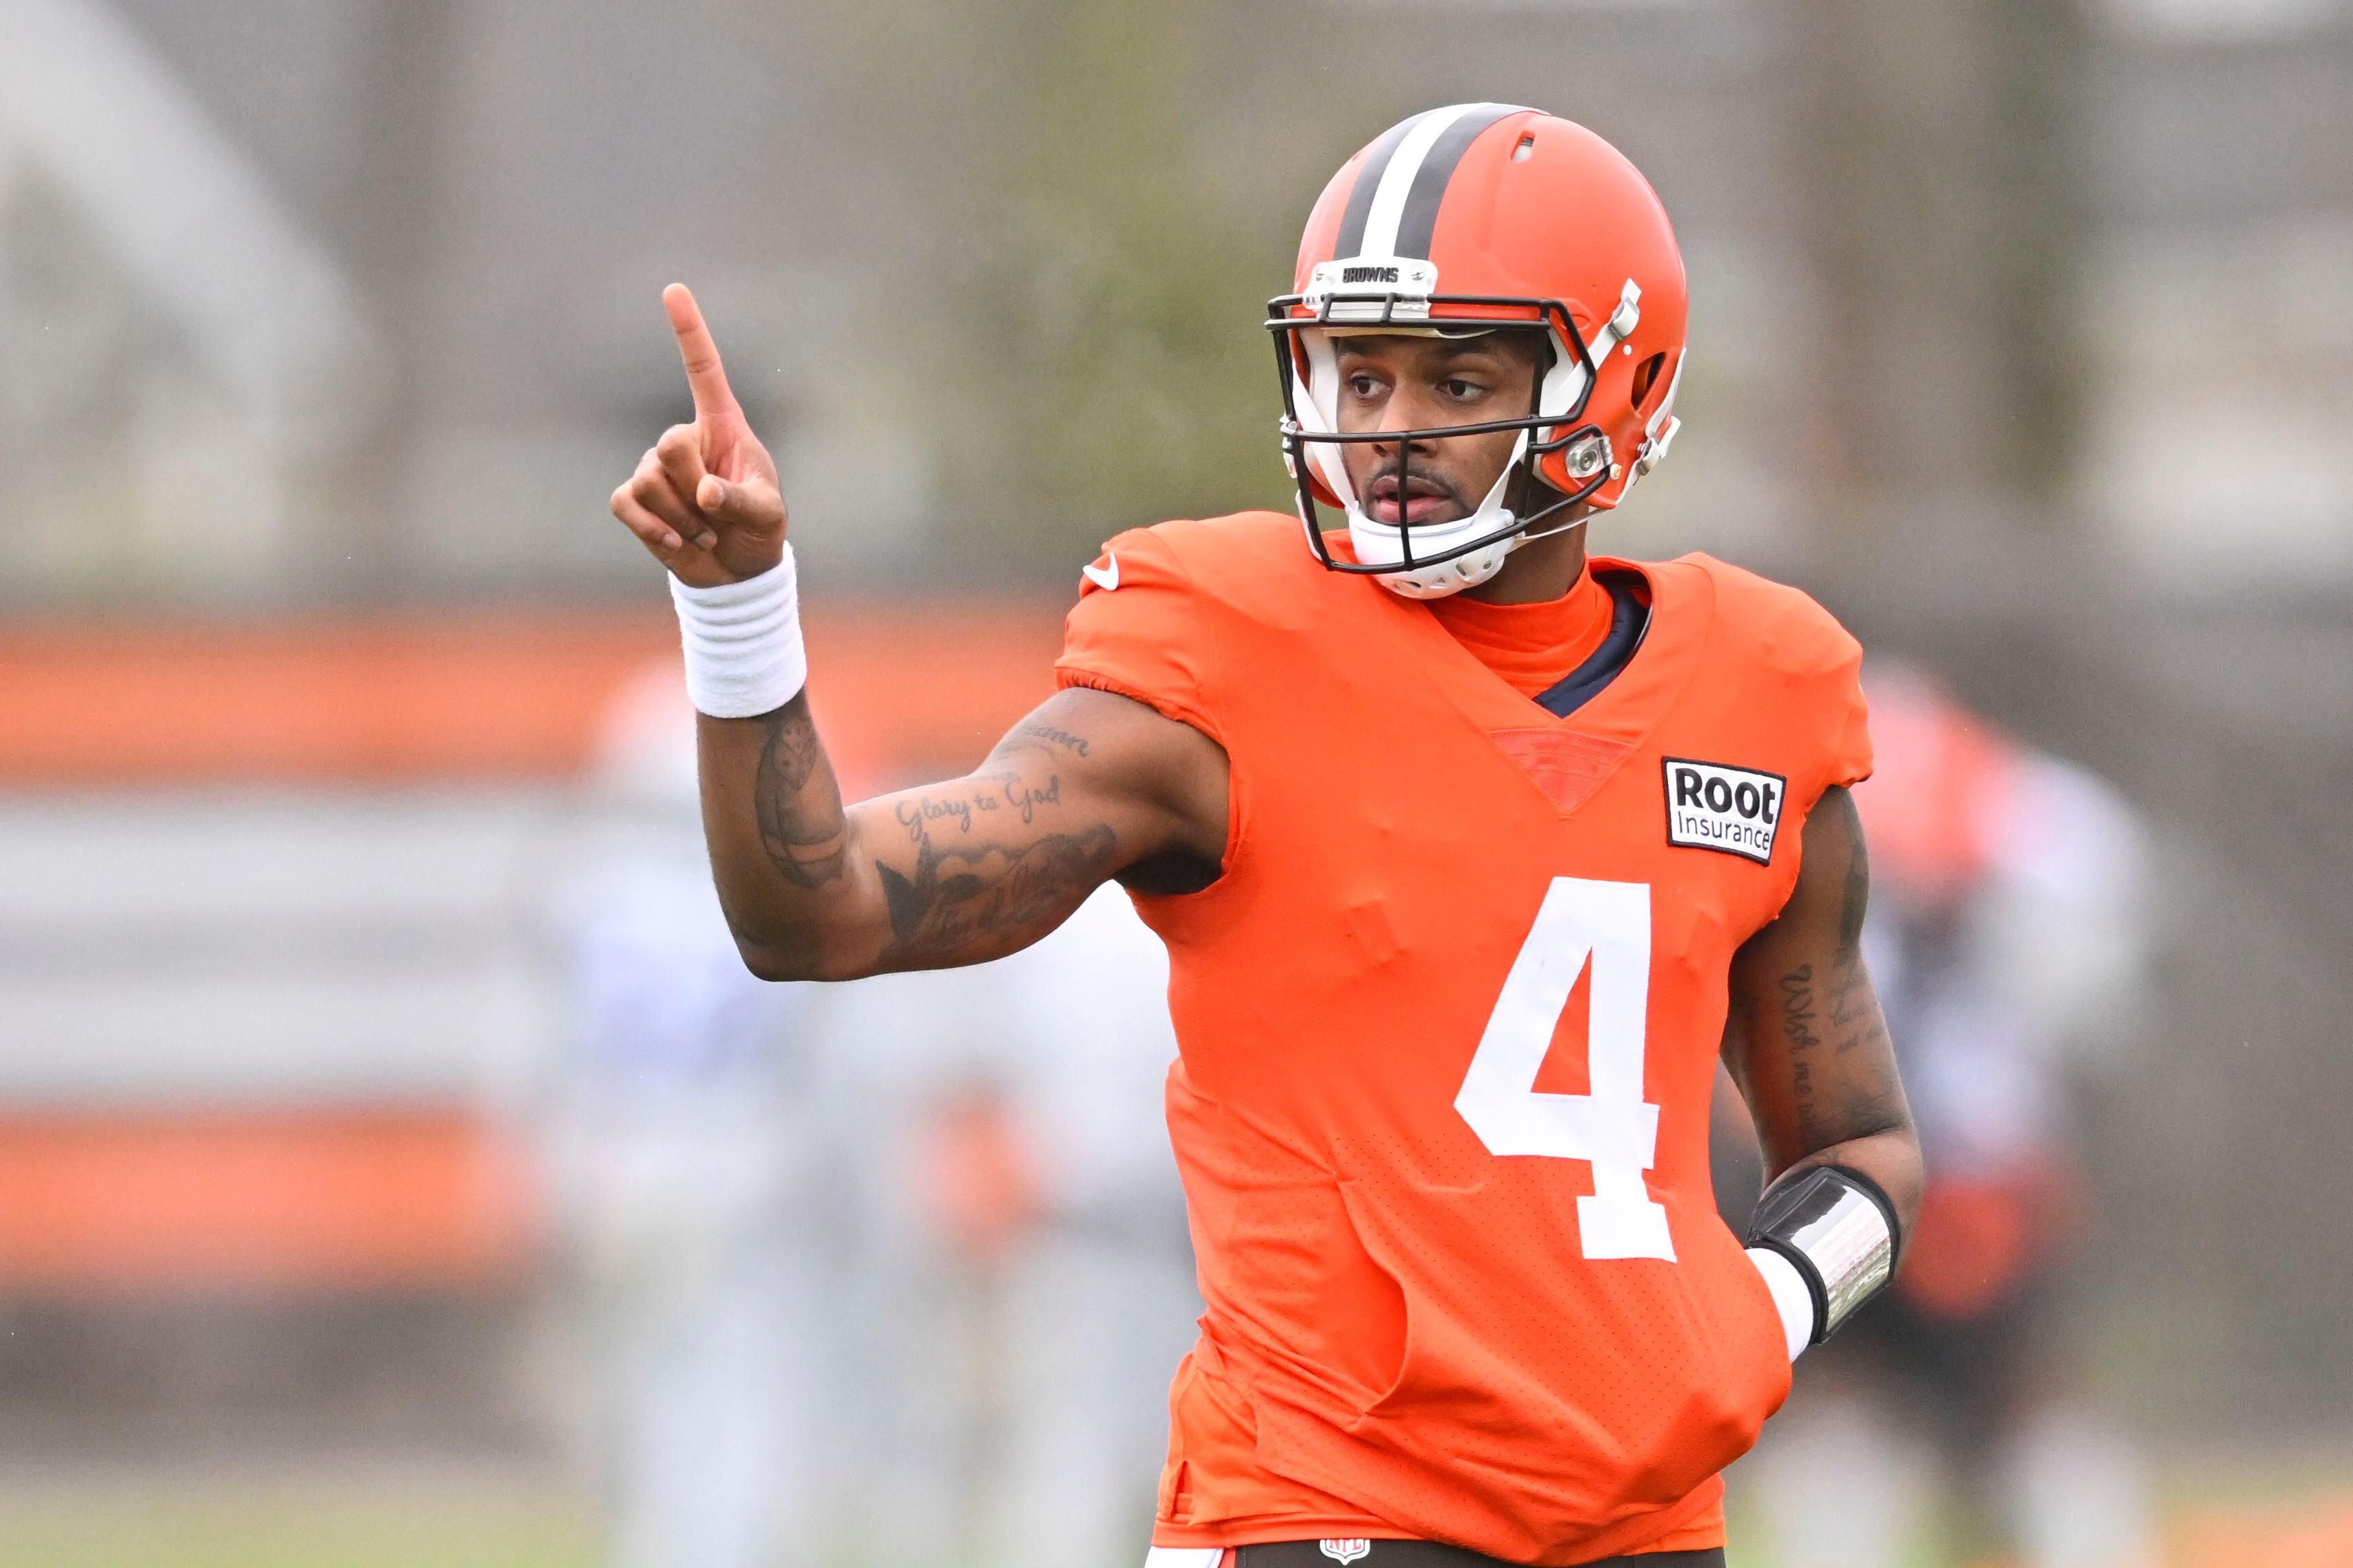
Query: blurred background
394, 1166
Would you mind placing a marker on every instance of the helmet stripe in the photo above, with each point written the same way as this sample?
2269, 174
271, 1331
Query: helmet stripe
1368, 180
1388, 201
1417, 221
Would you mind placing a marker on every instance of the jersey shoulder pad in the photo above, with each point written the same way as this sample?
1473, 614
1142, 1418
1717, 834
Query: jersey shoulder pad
1146, 622
1782, 628
1799, 649
1246, 560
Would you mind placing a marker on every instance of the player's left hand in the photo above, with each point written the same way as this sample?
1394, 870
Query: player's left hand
705, 499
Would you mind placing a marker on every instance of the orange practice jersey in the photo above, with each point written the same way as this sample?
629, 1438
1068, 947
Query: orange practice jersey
1449, 1022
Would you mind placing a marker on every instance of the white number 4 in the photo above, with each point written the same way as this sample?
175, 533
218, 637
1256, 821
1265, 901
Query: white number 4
1612, 1128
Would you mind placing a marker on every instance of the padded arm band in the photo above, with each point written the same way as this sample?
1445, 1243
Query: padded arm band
1837, 1227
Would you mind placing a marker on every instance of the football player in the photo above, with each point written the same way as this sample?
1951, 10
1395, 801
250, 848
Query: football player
1472, 854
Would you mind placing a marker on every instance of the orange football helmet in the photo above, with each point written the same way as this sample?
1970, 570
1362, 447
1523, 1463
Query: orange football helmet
1475, 218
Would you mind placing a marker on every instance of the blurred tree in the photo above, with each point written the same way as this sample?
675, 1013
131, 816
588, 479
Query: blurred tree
408, 98
1085, 332
1949, 233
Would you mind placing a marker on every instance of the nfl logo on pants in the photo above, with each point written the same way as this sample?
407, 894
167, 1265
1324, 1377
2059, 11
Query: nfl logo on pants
1344, 1552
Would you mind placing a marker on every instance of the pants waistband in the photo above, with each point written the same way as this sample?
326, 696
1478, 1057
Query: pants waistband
1429, 1555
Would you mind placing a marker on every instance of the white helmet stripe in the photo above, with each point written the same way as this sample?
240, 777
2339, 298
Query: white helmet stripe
1417, 224
1396, 200
1396, 180
1368, 180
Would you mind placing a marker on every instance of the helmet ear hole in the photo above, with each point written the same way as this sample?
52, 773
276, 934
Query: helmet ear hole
1646, 379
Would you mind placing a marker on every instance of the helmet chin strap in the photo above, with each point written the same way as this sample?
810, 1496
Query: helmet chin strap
1519, 538
1450, 577
1380, 541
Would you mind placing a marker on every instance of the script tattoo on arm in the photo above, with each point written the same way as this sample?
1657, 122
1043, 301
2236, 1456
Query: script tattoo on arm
1799, 1016
802, 825
1047, 734
980, 885
1805, 1040
1833, 1003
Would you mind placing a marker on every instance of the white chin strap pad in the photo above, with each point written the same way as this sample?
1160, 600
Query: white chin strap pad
1379, 543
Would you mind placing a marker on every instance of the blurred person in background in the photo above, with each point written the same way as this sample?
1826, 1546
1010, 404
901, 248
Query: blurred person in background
1102, 1295
688, 1176
937, 1190
2011, 914
1022, 1281
1406, 839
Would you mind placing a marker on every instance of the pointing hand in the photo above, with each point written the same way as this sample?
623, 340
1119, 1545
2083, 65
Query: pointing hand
705, 499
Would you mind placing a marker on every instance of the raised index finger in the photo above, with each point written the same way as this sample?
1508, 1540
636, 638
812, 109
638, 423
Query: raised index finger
705, 377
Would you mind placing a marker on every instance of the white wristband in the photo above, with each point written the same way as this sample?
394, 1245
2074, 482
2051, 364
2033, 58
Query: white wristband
1790, 1297
743, 642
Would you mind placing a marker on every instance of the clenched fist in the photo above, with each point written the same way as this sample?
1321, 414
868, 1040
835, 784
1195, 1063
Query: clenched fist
705, 499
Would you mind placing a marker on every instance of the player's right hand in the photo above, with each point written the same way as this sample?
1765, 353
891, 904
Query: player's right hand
705, 499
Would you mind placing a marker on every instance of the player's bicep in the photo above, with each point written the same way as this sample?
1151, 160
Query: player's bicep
973, 869
1805, 1038
1086, 786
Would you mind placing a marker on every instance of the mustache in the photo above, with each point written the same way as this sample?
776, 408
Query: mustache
1416, 481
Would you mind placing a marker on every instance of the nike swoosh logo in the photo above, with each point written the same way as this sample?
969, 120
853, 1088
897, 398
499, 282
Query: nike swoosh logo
1105, 576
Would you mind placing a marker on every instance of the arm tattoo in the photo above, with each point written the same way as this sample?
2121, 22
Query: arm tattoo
1851, 1011
1798, 1010
987, 894
1799, 1016
802, 826
1052, 736
1009, 793
1837, 1002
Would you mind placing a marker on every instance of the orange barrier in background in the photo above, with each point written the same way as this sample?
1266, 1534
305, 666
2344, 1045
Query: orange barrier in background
258, 1201
2315, 1532
334, 1199
503, 696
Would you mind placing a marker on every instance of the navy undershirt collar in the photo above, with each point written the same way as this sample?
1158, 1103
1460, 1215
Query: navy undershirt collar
1629, 617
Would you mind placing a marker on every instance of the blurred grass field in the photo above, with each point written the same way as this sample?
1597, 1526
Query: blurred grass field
2295, 1512
376, 1515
